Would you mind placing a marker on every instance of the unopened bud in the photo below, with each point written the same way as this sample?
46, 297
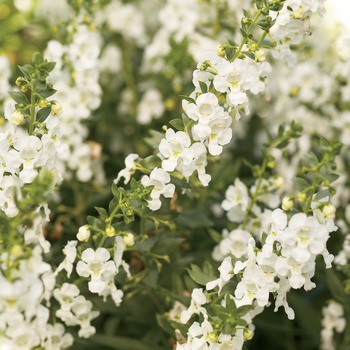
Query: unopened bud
294, 91
56, 108
328, 211
110, 231
271, 164
213, 337
221, 51
43, 103
248, 334
278, 182
20, 81
287, 203
16, 250
129, 240
260, 55
17, 117
252, 47
301, 197
83, 234
299, 13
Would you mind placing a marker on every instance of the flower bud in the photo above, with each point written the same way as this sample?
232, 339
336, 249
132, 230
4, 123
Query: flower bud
20, 81
213, 337
110, 231
56, 108
278, 182
17, 117
252, 47
298, 14
83, 234
221, 51
16, 250
328, 211
260, 55
287, 203
43, 103
248, 334
301, 197
129, 240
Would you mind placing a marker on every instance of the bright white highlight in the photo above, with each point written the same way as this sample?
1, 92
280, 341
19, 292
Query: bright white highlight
341, 9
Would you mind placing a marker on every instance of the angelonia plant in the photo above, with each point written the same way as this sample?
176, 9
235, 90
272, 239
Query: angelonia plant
224, 227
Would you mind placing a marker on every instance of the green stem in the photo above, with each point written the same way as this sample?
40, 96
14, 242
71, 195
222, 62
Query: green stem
245, 39
32, 118
314, 185
255, 195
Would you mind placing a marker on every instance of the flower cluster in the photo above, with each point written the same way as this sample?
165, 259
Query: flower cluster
76, 77
333, 320
116, 62
25, 320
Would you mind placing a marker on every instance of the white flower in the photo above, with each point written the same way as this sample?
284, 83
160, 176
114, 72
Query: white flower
96, 264
236, 201
83, 234
29, 148
159, 179
226, 273
333, 320
56, 338
80, 314
66, 295
234, 242
128, 170
151, 106
198, 298
70, 251
175, 149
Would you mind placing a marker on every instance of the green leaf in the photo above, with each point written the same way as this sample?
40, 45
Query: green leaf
178, 124
181, 327
102, 212
37, 58
151, 279
215, 235
164, 323
259, 4
231, 305
43, 113
243, 32
94, 222
199, 276
301, 183
47, 92
311, 159
113, 204
220, 311
321, 194
188, 99
27, 70
243, 310
331, 177
151, 162
282, 144
19, 97
203, 87
115, 191
48, 66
